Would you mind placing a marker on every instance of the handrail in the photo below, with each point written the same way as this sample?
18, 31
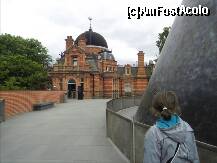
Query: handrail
207, 146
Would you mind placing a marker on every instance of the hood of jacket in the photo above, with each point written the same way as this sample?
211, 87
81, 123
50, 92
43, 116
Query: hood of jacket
176, 130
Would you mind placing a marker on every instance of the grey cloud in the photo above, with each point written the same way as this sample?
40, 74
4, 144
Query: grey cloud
70, 17
136, 38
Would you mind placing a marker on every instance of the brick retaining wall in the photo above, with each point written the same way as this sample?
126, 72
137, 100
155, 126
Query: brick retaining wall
22, 101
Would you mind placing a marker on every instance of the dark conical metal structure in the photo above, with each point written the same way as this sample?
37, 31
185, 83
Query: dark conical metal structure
188, 66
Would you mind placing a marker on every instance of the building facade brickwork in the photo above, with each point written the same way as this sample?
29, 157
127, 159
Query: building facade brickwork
17, 102
89, 68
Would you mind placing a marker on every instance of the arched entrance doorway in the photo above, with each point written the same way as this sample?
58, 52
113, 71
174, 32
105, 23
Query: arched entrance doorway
71, 88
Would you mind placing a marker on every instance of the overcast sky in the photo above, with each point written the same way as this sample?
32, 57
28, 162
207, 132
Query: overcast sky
50, 21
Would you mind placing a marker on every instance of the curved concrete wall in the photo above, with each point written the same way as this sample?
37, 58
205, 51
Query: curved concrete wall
119, 130
123, 102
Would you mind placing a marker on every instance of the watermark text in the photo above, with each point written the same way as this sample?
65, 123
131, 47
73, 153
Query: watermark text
139, 12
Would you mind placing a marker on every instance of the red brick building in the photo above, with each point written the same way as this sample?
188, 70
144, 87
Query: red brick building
88, 67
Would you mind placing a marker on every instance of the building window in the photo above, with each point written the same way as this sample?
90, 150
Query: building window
74, 61
127, 71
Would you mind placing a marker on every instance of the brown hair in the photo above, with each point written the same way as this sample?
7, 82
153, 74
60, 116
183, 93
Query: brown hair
168, 100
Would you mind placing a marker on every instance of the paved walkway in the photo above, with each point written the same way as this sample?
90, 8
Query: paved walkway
72, 132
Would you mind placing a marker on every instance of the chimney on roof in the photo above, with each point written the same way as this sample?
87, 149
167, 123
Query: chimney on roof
69, 42
141, 66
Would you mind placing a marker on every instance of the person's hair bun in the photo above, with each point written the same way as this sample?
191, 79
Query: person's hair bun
165, 104
166, 114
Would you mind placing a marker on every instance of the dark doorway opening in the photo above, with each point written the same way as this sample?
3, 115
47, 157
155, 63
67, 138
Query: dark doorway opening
80, 92
71, 88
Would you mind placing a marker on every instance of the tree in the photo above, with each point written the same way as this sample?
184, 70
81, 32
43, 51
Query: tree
30, 48
162, 38
24, 63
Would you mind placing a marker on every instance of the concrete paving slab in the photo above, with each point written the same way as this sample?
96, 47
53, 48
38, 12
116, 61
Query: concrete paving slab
73, 132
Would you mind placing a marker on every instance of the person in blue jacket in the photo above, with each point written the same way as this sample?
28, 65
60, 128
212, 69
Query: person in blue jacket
171, 139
